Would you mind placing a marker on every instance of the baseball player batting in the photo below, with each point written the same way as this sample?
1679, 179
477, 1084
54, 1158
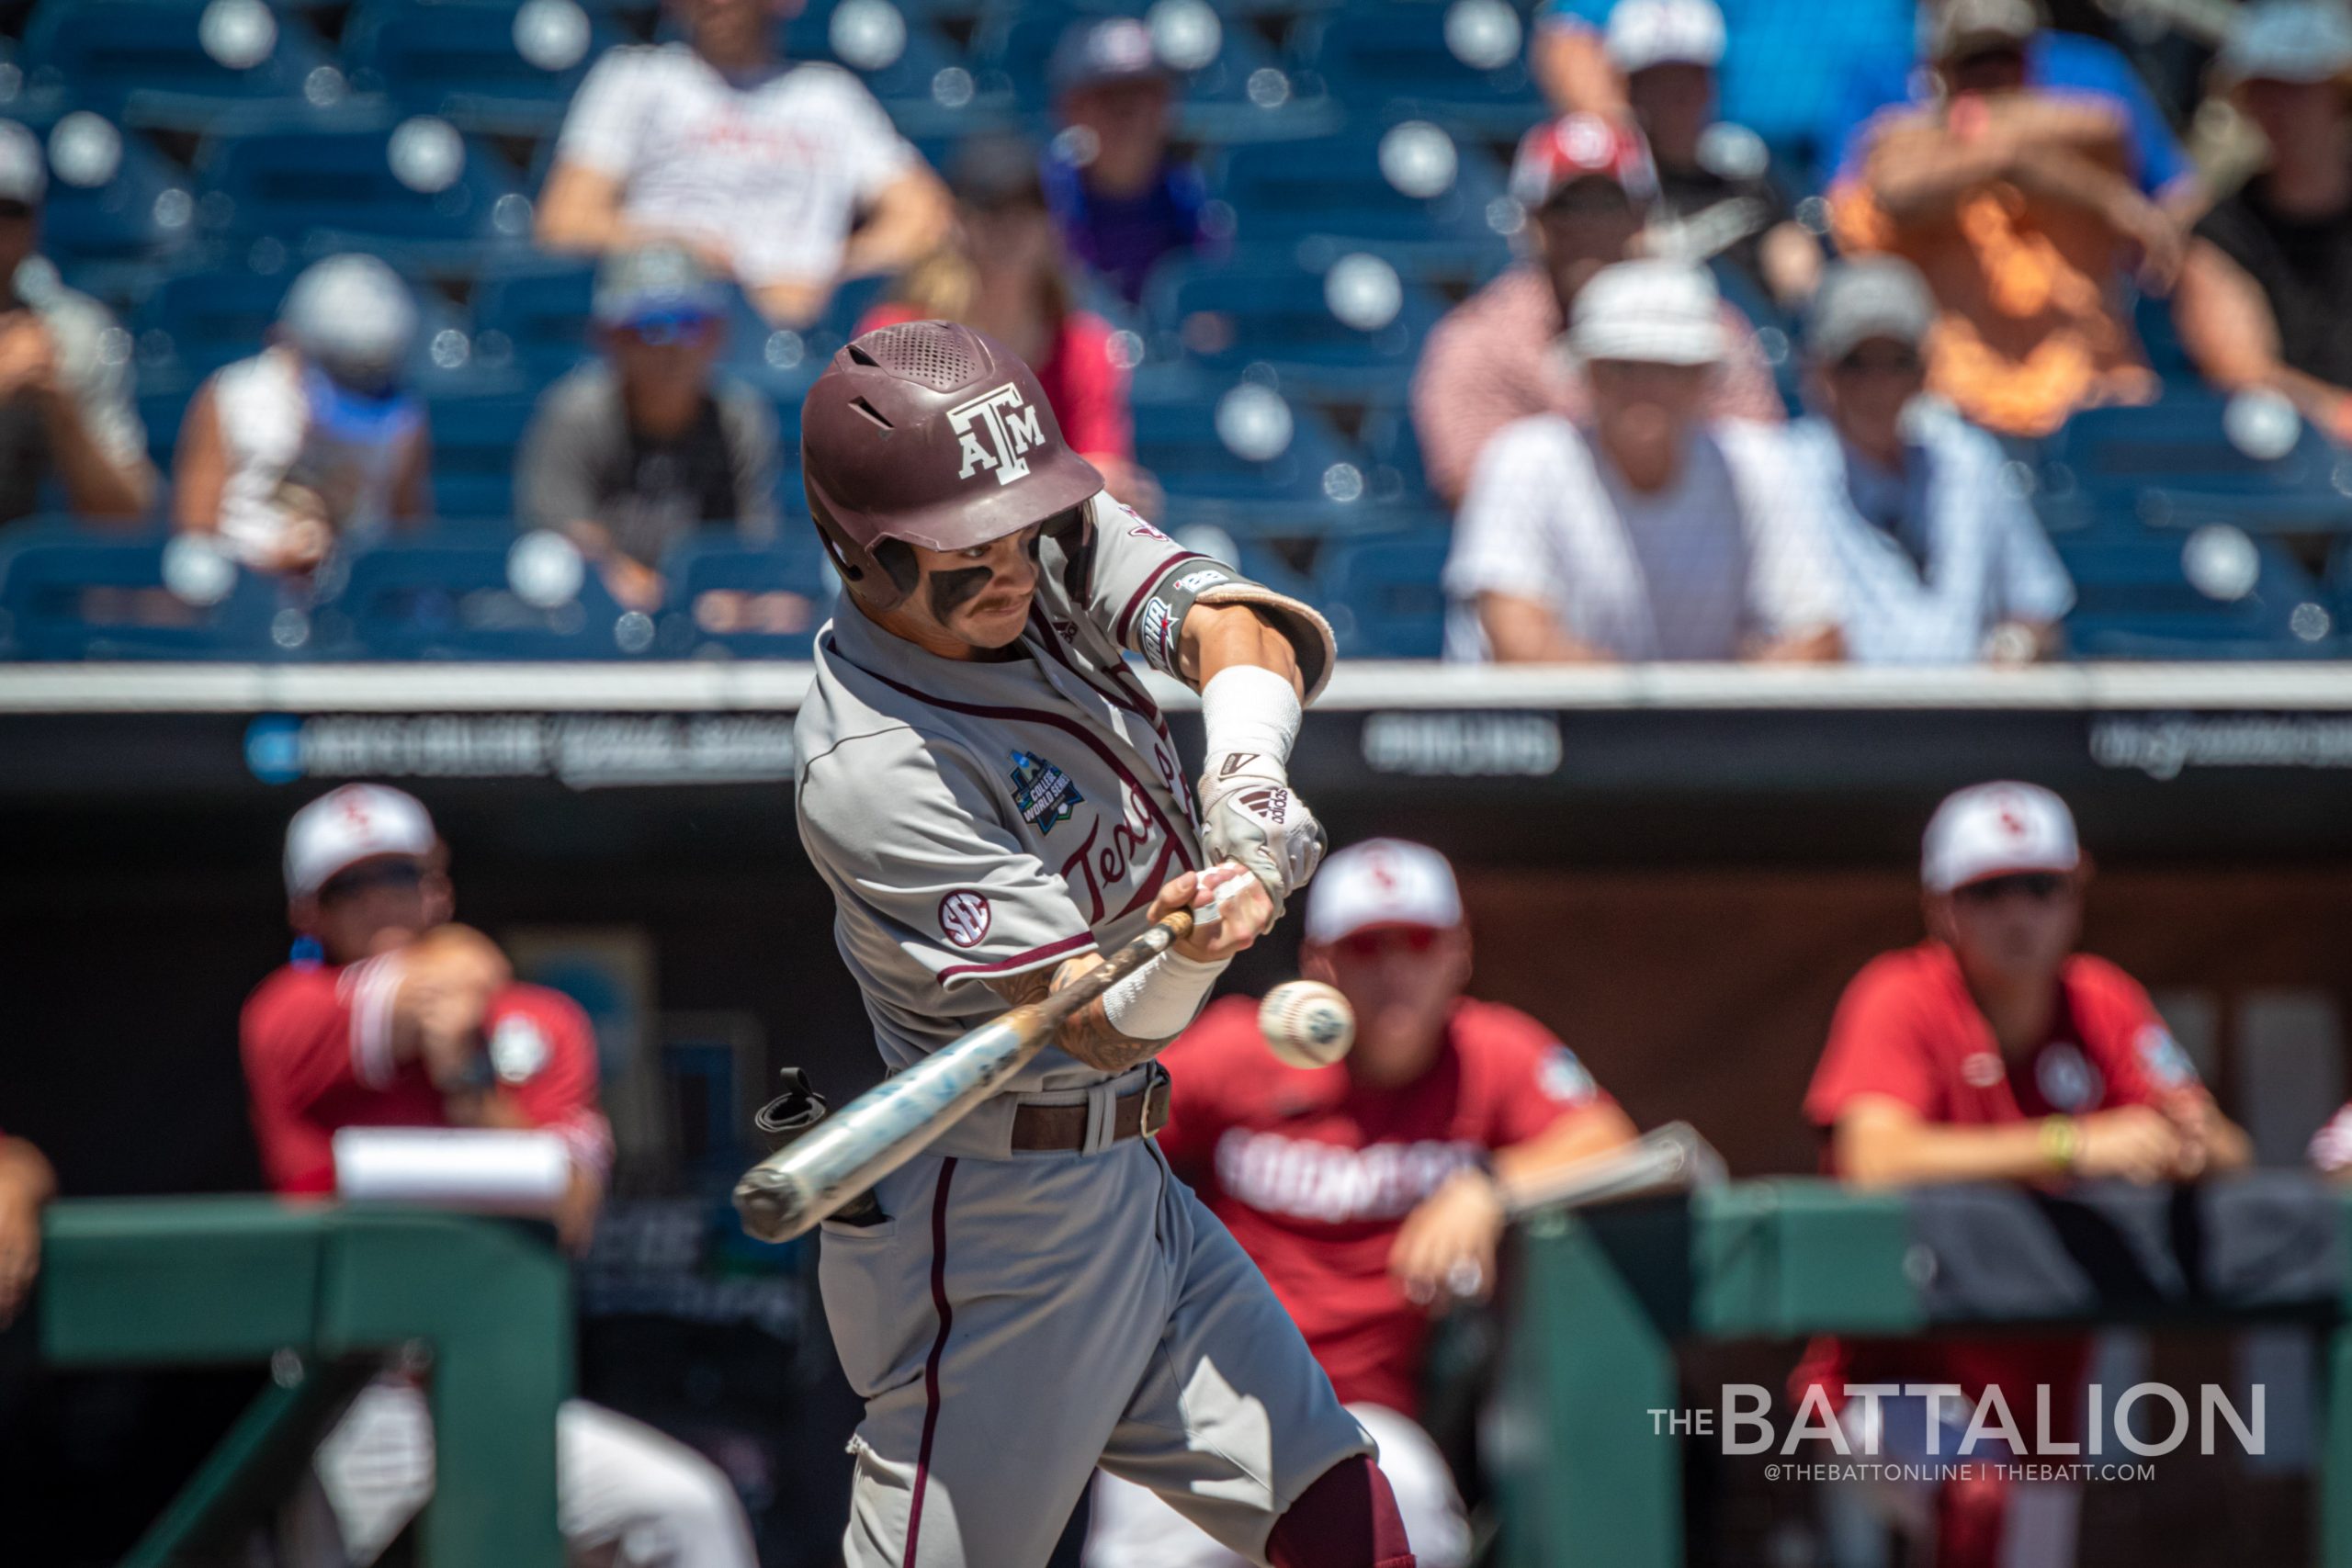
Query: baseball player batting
995, 803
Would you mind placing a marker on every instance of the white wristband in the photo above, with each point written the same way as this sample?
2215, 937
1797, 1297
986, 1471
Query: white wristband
1158, 1001
1249, 711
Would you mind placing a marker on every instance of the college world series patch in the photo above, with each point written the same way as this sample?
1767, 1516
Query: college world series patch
1042, 793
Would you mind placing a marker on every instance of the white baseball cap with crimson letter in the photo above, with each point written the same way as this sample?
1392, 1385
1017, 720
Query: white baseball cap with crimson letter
1381, 883
348, 825
1998, 829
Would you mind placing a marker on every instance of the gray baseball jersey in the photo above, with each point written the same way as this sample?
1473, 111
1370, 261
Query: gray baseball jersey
979, 819
1013, 1319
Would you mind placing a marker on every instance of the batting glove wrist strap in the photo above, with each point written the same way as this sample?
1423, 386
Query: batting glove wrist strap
1248, 812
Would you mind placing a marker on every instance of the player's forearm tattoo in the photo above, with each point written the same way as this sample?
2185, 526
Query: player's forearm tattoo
1086, 1033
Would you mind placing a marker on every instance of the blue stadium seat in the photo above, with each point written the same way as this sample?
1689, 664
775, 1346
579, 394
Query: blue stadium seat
160, 412
1333, 188
475, 442
2160, 335
465, 60
2134, 599
900, 55
1384, 596
535, 316
1225, 316
166, 63
67, 594
101, 213
1463, 62
446, 595
190, 324
1310, 487
327, 182
2174, 457
1396, 475
791, 579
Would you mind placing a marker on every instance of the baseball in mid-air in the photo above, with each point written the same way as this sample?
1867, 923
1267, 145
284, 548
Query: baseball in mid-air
1307, 1023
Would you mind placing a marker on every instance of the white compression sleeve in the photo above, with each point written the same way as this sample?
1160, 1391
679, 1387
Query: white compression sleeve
1158, 1001
1249, 711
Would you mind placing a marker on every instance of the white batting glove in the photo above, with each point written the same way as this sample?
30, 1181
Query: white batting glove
1250, 815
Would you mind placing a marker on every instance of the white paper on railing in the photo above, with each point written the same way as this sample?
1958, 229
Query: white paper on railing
513, 1172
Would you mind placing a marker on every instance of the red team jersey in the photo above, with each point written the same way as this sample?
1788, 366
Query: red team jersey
1908, 1028
1314, 1173
317, 1045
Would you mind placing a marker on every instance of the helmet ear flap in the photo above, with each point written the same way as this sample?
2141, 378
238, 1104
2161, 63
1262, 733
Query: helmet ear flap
897, 558
1073, 532
872, 579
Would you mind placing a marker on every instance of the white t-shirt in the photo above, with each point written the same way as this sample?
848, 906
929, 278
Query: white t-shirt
777, 168
1730, 554
1986, 558
269, 438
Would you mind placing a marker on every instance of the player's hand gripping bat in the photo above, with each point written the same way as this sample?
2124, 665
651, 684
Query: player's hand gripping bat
787, 1194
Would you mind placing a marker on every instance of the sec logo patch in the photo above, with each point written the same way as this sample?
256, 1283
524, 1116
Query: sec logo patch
964, 916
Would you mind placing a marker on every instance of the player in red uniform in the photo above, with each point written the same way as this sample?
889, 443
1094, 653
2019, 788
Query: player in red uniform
412, 1020
1991, 1052
1366, 1190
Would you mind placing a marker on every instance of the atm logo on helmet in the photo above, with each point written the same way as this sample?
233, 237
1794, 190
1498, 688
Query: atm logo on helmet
999, 430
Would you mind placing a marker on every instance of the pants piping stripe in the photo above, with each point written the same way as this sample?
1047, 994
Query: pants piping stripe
931, 1366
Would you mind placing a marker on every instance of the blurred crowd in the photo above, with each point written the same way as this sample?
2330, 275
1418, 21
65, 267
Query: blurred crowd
1639, 461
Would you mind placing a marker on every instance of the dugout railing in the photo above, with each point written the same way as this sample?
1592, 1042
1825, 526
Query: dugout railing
1603, 1297
327, 1297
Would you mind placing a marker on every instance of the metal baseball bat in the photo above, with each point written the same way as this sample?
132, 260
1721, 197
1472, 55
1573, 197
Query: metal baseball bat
787, 1194
1673, 1158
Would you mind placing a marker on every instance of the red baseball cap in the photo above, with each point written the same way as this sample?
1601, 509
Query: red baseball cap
1556, 154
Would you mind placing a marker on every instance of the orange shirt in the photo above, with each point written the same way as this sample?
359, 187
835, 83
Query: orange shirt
2033, 326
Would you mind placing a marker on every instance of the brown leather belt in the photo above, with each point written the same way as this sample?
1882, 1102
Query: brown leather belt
1041, 1128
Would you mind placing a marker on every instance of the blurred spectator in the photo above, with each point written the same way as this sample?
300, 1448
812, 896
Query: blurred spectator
1995, 1052
26, 1184
2015, 203
1943, 561
1716, 196
1001, 272
2072, 64
65, 400
2266, 295
632, 453
316, 437
1647, 532
1371, 1193
762, 168
1781, 69
412, 1020
1587, 185
1122, 201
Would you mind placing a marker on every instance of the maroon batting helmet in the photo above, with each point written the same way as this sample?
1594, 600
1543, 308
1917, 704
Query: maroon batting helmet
931, 433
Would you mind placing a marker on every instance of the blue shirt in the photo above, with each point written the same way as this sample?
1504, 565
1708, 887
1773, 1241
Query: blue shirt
2054, 62
1123, 237
1946, 552
1783, 59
